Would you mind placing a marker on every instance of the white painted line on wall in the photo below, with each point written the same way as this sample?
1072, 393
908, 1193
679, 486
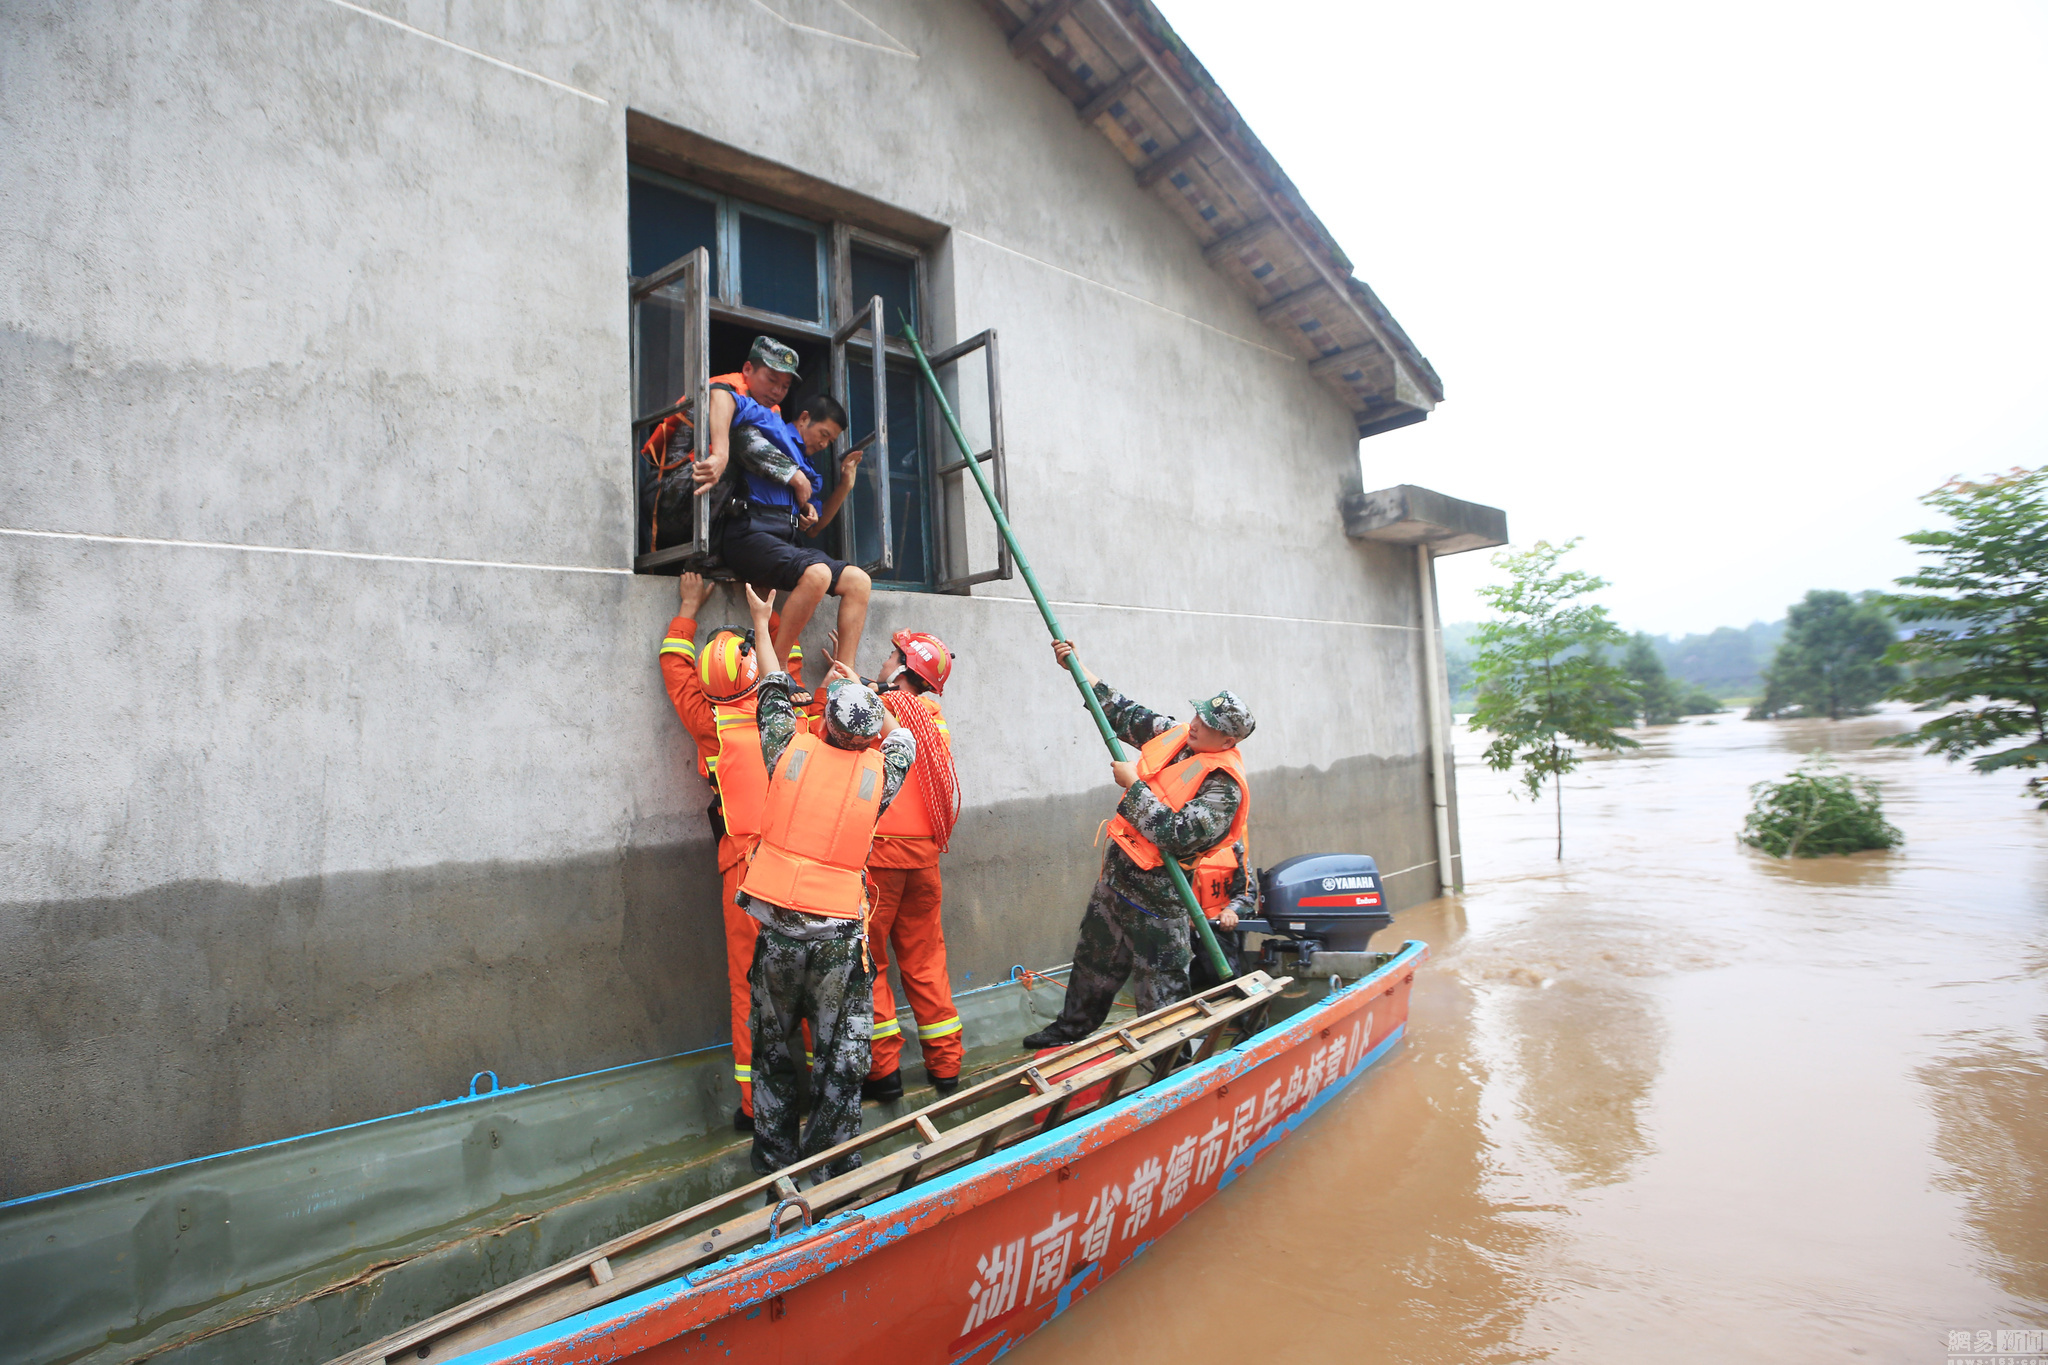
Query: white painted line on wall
1418, 867
469, 51
1220, 615
317, 554
901, 49
1136, 298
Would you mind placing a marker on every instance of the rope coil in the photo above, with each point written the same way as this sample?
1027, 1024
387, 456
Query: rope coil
941, 785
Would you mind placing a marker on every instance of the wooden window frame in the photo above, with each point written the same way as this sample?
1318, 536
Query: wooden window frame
841, 329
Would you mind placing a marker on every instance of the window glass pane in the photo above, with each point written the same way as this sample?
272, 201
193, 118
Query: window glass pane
908, 487
665, 224
894, 278
778, 267
663, 318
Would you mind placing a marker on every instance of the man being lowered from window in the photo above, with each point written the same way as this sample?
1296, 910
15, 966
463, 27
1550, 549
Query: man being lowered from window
757, 378
770, 500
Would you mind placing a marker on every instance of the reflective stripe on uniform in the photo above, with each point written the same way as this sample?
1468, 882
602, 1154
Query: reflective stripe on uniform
682, 647
927, 1032
892, 1029
742, 1073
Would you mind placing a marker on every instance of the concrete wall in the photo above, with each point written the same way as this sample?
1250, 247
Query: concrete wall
292, 839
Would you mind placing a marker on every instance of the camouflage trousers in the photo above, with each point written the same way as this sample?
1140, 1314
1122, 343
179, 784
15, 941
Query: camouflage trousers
820, 982
1121, 942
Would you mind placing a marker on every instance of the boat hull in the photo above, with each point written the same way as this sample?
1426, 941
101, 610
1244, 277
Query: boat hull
961, 1269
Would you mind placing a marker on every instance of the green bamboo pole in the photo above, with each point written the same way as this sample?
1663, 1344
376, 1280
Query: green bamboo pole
1116, 750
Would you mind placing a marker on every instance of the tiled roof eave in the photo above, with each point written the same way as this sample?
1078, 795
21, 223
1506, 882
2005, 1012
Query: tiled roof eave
1127, 72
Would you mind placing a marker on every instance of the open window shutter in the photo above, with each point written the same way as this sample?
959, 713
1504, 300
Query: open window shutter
876, 461
950, 506
672, 379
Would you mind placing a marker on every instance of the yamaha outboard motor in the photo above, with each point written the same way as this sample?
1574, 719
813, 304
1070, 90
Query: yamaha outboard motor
1319, 903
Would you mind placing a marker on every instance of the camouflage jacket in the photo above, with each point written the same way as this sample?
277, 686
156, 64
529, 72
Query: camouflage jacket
1181, 834
776, 716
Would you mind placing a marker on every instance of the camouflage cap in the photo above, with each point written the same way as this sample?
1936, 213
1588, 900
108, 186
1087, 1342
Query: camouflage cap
776, 356
852, 711
1227, 714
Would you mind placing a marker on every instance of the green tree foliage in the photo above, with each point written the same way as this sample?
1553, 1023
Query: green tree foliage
1695, 700
1727, 662
1657, 697
1816, 811
1545, 689
1831, 661
1983, 614
1458, 677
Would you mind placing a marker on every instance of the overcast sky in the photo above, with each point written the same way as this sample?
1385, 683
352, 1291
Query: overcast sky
1720, 288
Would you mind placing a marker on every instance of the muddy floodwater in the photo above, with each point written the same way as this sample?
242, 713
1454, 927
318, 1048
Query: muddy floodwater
1668, 1100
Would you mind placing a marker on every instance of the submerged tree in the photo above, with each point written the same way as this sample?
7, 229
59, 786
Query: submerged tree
1545, 689
1657, 697
1817, 810
1831, 661
1987, 587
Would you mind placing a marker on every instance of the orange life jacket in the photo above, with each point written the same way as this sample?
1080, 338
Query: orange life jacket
741, 776
1175, 784
822, 806
910, 816
1211, 877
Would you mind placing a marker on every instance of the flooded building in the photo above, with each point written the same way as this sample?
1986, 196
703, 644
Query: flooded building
337, 762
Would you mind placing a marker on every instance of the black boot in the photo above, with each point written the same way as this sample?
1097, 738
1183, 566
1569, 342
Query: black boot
1049, 1036
742, 1121
889, 1087
945, 1085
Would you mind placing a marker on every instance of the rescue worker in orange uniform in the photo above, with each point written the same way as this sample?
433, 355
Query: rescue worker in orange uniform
807, 886
1185, 797
715, 695
903, 873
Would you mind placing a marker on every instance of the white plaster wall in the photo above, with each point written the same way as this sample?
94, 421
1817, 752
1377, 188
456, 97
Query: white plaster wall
288, 277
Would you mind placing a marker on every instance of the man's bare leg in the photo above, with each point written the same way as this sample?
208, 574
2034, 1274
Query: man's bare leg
803, 600
853, 590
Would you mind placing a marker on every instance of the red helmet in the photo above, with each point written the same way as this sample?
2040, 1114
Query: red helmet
727, 667
926, 656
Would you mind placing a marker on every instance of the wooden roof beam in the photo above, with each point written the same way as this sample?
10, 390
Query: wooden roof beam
1230, 243
1170, 160
1274, 209
1365, 359
1281, 306
1111, 93
1040, 24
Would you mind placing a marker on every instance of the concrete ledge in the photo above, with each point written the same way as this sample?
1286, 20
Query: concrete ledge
302, 1249
1407, 515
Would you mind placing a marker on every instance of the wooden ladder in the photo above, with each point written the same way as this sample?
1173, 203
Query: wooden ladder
1016, 1104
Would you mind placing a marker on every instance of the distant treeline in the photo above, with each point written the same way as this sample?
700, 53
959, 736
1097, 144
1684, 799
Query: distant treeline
1728, 663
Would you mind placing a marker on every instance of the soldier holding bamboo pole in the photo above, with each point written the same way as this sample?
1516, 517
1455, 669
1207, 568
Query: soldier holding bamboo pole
1185, 798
